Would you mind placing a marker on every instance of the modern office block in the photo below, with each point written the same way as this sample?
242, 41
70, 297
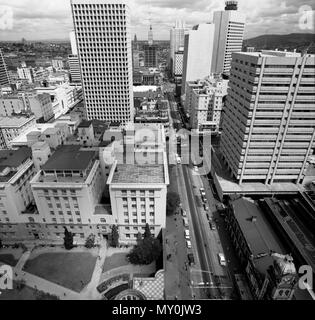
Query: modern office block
74, 65
103, 37
177, 39
228, 37
178, 62
150, 56
198, 53
269, 124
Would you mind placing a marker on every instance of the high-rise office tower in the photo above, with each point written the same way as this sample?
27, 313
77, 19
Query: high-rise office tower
73, 60
4, 75
228, 37
150, 56
103, 37
269, 124
177, 39
198, 53
150, 36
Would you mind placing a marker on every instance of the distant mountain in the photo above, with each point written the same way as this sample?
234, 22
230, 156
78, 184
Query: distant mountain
298, 41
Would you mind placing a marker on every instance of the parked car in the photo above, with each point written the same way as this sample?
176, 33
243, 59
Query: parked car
195, 168
188, 244
191, 259
203, 198
187, 234
205, 206
222, 259
212, 226
184, 213
202, 191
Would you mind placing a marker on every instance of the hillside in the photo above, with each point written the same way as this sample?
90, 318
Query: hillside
298, 41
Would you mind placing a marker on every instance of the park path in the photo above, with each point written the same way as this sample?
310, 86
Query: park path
90, 292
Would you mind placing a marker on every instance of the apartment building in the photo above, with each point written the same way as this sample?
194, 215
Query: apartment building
198, 43
104, 48
17, 209
228, 37
11, 127
207, 103
269, 124
67, 192
4, 75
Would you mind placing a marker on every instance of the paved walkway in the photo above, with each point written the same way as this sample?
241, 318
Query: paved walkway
90, 292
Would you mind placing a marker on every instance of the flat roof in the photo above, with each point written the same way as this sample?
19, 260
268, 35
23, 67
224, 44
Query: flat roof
130, 173
258, 233
15, 121
13, 158
69, 158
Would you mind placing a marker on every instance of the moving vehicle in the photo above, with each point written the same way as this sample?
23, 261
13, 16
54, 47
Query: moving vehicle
188, 244
187, 234
222, 259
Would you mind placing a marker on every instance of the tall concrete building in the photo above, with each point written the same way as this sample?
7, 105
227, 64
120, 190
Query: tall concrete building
198, 44
177, 39
4, 75
269, 124
103, 37
228, 37
73, 59
150, 55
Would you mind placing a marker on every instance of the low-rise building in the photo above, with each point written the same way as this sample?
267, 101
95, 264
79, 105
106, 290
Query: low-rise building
11, 127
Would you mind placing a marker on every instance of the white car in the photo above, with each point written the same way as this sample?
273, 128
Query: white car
188, 244
184, 213
202, 191
187, 235
222, 259
196, 169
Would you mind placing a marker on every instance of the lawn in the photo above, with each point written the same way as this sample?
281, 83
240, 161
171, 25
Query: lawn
67, 269
115, 261
8, 259
26, 293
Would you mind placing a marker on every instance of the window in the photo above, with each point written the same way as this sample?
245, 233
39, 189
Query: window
127, 235
103, 220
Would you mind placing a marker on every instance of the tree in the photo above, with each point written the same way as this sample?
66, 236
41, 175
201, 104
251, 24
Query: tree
139, 237
144, 253
90, 241
147, 232
68, 239
172, 203
115, 236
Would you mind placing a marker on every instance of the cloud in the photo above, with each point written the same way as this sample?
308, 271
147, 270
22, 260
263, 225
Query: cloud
41, 19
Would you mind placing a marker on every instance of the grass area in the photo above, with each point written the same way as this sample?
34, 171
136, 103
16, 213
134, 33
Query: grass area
115, 261
8, 259
68, 269
26, 293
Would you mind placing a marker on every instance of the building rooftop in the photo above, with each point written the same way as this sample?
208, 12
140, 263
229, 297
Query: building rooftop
14, 122
273, 53
69, 158
257, 231
129, 173
13, 158
85, 124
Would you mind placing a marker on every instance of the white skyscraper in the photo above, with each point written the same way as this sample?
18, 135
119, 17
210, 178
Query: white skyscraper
198, 53
177, 37
103, 37
228, 37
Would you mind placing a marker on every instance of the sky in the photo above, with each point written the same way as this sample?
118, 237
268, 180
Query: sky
51, 19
